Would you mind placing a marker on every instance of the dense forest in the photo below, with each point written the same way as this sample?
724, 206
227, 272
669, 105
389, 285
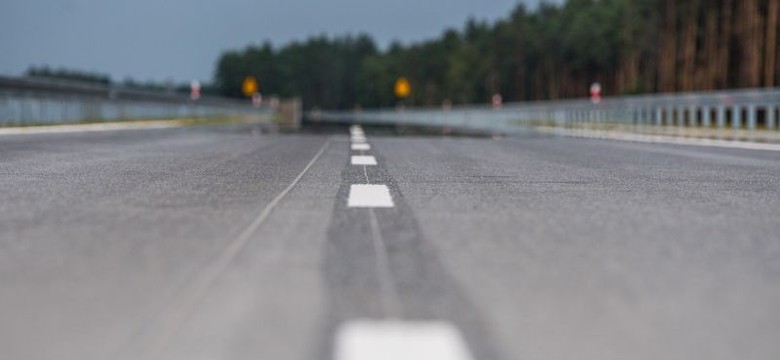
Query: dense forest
552, 52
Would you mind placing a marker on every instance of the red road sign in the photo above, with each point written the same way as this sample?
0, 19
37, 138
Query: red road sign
595, 93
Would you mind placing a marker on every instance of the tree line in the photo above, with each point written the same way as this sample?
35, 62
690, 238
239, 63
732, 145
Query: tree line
97, 78
551, 52
46, 72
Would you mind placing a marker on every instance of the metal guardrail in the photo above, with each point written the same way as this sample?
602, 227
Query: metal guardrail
26, 101
749, 109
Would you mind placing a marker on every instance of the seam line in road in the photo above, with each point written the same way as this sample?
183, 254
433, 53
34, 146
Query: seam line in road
391, 300
193, 295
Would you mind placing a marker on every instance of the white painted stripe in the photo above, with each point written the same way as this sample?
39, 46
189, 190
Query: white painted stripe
359, 139
364, 195
363, 160
76, 128
663, 139
396, 340
361, 147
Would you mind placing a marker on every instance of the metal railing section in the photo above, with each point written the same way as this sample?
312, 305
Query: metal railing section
25, 101
749, 109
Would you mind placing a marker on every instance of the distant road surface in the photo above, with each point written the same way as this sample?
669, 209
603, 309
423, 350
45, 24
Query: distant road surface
222, 243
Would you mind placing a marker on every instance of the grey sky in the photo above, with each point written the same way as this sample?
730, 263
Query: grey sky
181, 39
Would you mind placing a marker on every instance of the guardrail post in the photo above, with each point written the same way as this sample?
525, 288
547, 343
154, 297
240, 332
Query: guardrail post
771, 117
751, 109
659, 116
649, 116
669, 117
692, 118
736, 117
705, 116
721, 116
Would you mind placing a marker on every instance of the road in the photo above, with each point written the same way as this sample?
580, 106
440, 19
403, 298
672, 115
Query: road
226, 243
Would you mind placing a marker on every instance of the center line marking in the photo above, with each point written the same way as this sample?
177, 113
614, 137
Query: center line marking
365, 160
392, 340
361, 147
368, 196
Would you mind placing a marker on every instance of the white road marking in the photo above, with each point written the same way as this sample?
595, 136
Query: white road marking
359, 139
76, 128
369, 196
365, 160
662, 139
394, 340
361, 147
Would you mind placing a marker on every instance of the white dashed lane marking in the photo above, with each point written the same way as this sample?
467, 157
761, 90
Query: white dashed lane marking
393, 340
390, 339
365, 160
369, 196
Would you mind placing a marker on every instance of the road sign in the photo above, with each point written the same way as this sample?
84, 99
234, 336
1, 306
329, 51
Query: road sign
402, 88
497, 101
195, 90
250, 86
595, 93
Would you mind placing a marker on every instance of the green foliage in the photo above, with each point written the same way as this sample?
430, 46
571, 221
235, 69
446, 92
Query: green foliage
45, 72
555, 51
70, 75
323, 72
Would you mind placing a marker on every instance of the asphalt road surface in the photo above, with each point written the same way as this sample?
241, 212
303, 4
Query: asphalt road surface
223, 243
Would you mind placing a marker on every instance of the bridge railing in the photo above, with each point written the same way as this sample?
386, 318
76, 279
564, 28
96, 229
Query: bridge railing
749, 109
25, 101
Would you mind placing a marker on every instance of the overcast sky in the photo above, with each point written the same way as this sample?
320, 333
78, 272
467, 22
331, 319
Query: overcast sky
181, 39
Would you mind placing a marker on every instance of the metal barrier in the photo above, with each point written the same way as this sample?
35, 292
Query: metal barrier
736, 109
25, 101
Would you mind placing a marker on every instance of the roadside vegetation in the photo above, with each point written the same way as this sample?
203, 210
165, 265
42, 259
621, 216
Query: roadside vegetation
552, 52
555, 51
